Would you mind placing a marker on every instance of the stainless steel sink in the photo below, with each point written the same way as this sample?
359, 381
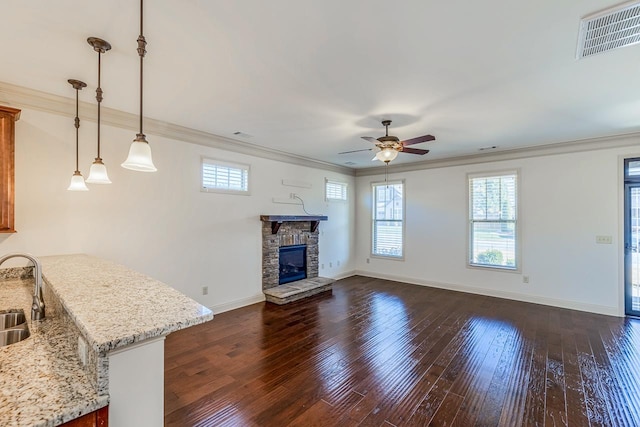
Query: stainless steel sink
12, 336
13, 327
11, 319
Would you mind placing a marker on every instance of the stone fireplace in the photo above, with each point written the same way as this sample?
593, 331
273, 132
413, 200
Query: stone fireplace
282, 231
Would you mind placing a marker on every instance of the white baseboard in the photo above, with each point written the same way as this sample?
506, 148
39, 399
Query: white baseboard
573, 305
232, 305
345, 275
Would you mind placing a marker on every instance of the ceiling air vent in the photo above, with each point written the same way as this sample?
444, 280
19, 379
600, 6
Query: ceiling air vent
612, 28
242, 135
493, 147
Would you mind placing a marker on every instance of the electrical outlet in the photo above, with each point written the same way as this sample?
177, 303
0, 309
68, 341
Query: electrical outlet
604, 240
205, 290
330, 265
368, 261
338, 263
82, 351
322, 266
525, 279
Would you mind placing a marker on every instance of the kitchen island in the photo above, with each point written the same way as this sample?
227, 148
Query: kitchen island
102, 342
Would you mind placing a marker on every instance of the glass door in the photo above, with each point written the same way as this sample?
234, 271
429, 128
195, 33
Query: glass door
632, 236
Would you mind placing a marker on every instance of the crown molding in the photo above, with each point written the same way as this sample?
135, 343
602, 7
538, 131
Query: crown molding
22, 97
26, 98
590, 144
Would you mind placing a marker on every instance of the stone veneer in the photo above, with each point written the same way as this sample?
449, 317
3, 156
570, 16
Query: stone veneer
289, 233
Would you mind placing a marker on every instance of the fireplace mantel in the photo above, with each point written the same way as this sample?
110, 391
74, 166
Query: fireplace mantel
277, 220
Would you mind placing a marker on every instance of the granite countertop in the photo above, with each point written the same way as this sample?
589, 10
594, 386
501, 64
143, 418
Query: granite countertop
114, 306
42, 382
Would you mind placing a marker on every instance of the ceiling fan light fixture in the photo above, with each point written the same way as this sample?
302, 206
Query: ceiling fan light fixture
388, 146
387, 154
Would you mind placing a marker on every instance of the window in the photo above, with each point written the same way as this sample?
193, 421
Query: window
335, 190
493, 213
388, 219
224, 177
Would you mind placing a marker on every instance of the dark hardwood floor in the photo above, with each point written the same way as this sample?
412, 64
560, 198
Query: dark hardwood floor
380, 353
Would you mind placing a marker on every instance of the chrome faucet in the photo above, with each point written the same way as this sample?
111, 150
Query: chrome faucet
37, 306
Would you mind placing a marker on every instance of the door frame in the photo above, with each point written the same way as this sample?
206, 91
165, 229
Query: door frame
625, 234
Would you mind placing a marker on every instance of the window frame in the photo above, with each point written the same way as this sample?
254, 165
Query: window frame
373, 218
335, 181
517, 222
229, 164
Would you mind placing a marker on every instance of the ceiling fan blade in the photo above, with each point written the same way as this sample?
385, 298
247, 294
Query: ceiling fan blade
418, 140
356, 151
414, 151
370, 139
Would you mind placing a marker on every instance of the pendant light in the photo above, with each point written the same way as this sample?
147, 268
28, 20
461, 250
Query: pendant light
98, 171
139, 158
77, 180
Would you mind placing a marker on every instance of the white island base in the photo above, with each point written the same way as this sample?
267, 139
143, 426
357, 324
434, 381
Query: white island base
136, 384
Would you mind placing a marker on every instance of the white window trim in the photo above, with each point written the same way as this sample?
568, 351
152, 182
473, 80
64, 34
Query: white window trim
404, 219
518, 227
335, 181
220, 162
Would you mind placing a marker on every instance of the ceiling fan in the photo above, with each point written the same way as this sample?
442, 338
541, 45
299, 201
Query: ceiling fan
388, 146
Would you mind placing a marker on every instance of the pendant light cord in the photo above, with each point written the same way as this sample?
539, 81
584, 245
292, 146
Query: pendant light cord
77, 125
142, 44
386, 173
99, 97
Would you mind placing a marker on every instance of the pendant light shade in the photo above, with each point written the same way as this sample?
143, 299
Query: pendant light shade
139, 158
77, 180
98, 171
386, 155
77, 183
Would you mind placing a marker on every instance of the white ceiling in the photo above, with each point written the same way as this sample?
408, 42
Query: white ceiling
312, 77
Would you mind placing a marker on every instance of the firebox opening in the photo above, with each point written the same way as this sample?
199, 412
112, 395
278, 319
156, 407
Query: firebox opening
293, 263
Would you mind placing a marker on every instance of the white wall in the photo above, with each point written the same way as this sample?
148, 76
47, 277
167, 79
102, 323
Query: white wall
160, 223
565, 201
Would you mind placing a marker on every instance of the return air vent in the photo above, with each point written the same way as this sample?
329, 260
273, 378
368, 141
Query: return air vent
610, 29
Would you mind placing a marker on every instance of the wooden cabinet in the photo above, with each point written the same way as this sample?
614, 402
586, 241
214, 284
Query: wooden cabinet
99, 418
8, 117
